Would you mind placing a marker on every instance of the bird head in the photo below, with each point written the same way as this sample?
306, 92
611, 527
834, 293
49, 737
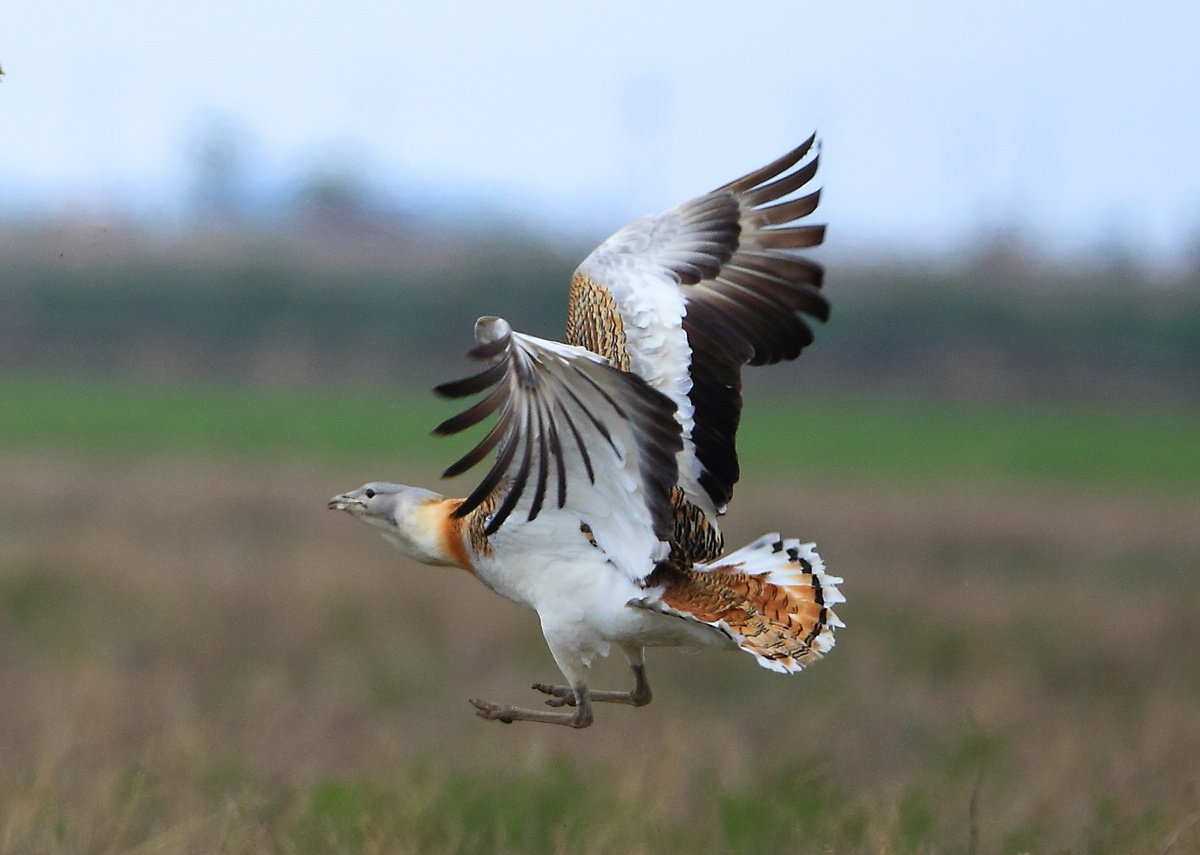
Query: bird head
407, 516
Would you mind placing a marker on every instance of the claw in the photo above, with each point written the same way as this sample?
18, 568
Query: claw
560, 696
492, 712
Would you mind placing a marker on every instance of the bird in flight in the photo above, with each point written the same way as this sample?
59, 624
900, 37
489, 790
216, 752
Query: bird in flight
614, 452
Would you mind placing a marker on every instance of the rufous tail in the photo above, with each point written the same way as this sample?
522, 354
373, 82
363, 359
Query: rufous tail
772, 597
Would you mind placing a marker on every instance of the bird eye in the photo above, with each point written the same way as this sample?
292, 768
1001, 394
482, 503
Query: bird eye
370, 494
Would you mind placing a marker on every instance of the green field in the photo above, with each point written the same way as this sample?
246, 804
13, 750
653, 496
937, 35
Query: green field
196, 656
872, 437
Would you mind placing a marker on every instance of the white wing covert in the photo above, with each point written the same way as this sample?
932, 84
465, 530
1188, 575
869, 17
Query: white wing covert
572, 432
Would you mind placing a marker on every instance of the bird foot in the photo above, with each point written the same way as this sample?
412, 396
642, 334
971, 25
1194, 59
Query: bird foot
581, 717
559, 695
493, 712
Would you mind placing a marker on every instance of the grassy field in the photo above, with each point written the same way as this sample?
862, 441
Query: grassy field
196, 656
1152, 450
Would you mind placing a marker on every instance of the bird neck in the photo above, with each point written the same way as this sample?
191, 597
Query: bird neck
430, 533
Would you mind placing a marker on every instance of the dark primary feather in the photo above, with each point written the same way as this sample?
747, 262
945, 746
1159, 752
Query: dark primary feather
779, 189
775, 167
785, 212
542, 396
797, 238
748, 311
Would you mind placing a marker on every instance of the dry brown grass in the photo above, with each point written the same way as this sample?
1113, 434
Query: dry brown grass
195, 655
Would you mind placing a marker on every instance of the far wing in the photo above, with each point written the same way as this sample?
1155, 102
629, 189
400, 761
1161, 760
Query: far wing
573, 432
686, 298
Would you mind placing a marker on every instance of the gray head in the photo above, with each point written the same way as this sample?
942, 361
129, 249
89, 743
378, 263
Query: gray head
397, 510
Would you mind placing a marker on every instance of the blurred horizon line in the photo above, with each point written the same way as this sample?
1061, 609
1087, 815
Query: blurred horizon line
344, 207
224, 182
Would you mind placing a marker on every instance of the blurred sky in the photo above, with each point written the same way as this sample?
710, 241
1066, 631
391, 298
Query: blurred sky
1078, 122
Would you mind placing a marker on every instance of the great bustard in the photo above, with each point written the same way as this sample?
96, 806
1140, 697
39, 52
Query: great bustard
615, 452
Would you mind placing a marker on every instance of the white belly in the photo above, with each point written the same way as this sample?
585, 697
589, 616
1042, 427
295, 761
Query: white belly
581, 598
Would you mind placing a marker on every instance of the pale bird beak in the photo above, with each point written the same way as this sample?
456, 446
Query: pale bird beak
344, 503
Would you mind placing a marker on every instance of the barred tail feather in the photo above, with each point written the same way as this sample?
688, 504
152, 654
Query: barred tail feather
772, 597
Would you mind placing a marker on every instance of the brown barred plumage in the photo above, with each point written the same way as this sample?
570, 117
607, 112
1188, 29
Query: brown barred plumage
594, 321
776, 622
461, 531
477, 523
695, 538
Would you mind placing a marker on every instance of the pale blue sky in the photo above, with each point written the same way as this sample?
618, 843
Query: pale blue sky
1078, 120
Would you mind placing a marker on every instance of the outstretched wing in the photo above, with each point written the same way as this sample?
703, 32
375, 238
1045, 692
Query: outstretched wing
573, 432
686, 298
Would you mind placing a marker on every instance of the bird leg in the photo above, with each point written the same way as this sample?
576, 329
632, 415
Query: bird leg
639, 696
582, 716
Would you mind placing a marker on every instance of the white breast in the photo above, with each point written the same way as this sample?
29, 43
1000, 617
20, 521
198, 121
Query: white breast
581, 596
